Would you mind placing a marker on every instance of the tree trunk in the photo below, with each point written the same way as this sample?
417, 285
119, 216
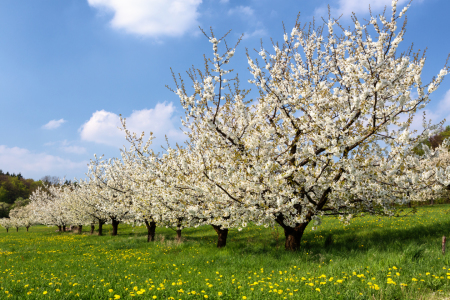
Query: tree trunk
92, 228
294, 236
100, 227
80, 229
17, 229
222, 236
27, 228
151, 228
115, 225
179, 230
432, 202
409, 204
7, 229
59, 228
64, 228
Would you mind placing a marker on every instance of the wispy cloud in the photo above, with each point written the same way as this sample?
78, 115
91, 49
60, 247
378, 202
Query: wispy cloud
74, 149
36, 165
103, 126
242, 10
53, 124
255, 28
347, 7
154, 18
432, 115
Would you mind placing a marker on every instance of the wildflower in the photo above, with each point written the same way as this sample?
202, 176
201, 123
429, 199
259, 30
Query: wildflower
45, 292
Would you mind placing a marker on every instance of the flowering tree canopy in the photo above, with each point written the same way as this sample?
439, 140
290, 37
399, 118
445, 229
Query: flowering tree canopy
328, 134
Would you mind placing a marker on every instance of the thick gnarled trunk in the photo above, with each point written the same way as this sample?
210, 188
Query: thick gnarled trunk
151, 228
80, 229
221, 236
115, 226
294, 236
100, 227
59, 228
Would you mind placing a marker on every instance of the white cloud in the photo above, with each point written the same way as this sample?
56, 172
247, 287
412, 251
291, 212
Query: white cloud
255, 28
440, 112
258, 33
53, 124
74, 149
36, 165
151, 17
244, 11
444, 104
103, 126
346, 7
67, 147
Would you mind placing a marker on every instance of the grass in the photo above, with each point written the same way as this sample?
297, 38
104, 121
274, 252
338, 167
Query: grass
372, 258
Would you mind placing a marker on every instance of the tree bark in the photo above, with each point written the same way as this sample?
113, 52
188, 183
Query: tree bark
115, 225
92, 228
59, 228
432, 202
7, 229
100, 227
64, 228
17, 229
222, 236
80, 229
27, 228
151, 228
179, 230
293, 234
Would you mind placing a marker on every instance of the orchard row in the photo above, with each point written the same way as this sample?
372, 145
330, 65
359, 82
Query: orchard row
328, 133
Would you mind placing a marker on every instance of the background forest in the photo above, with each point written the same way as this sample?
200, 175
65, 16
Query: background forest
15, 190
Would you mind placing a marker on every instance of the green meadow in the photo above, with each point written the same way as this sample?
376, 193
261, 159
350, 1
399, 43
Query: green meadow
372, 258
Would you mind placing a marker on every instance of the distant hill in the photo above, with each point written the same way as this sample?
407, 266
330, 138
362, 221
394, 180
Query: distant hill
13, 188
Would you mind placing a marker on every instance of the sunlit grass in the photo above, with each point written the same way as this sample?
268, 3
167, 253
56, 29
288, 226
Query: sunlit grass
381, 258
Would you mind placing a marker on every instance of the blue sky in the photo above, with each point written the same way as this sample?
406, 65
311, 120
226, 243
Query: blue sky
69, 68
